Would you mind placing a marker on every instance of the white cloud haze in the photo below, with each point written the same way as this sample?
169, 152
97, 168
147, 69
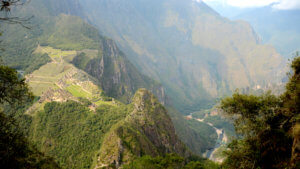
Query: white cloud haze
277, 4
288, 4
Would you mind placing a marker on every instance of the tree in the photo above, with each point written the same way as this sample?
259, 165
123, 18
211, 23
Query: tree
5, 8
15, 149
291, 109
13, 90
267, 126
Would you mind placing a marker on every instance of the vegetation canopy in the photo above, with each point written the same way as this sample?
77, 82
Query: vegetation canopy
267, 127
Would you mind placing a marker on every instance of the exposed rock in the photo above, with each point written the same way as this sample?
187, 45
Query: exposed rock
118, 77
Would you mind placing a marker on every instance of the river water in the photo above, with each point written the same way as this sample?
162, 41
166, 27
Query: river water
221, 140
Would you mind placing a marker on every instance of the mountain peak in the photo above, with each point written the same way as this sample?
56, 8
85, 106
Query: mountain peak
147, 130
142, 98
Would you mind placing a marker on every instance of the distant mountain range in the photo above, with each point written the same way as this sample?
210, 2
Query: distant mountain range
279, 28
194, 52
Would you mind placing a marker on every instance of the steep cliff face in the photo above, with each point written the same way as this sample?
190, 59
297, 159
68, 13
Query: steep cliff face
147, 130
118, 77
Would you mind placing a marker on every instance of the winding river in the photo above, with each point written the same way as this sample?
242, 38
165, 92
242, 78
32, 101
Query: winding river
221, 140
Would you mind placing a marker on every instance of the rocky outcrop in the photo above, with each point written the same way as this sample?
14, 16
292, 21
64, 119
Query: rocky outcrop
147, 130
152, 119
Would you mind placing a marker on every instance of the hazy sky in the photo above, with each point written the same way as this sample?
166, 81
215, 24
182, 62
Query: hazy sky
278, 4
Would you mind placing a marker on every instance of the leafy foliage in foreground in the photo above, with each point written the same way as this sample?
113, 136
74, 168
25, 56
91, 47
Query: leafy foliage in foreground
15, 150
12, 89
268, 126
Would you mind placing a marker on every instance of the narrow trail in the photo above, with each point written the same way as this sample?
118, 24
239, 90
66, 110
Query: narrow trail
46, 77
41, 82
86, 90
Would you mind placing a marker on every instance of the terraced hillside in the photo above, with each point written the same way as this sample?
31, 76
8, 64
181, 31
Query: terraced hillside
59, 80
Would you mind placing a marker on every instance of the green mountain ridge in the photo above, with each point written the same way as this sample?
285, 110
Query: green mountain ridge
147, 130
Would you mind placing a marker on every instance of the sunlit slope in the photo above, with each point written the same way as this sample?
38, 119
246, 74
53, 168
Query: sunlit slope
197, 54
62, 81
